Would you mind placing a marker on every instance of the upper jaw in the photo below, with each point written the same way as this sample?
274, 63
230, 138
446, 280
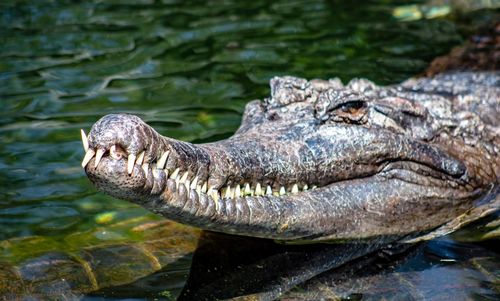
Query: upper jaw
286, 160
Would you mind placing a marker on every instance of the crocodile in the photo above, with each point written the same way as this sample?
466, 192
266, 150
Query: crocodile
320, 161
430, 143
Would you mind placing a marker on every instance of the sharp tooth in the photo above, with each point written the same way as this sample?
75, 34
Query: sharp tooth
187, 183
145, 167
314, 187
295, 189
305, 187
184, 178
174, 174
237, 191
88, 155
198, 189
248, 191
166, 173
204, 187
98, 157
130, 163
228, 192
269, 190
258, 189
163, 160
140, 158
195, 183
282, 190
85, 141
215, 195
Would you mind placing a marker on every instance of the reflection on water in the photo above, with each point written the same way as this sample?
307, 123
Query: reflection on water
186, 67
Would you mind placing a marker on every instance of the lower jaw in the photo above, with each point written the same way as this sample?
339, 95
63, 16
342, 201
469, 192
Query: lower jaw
333, 209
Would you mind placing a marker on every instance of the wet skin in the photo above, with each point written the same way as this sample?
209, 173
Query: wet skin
318, 161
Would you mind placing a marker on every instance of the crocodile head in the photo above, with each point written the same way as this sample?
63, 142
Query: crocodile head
316, 161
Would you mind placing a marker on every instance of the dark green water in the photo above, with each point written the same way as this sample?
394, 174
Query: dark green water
185, 67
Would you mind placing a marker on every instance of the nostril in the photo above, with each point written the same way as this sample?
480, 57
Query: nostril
125, 130
117, 152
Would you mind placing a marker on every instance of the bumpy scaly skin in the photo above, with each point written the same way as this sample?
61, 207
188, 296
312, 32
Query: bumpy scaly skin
318, 160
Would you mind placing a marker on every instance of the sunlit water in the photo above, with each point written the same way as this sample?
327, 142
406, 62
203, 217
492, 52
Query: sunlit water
185, 67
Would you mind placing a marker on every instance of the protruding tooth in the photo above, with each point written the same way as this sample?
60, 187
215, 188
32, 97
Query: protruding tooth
195, 183
145, 167
204, 187
156, 173
269, 190
282, 190
163, 160
166, 173
88, 155
85, 140
305, 187
258, 189
237, 191
187, 183
98, 157
130, 163
247, 191
198, 189
184, 178
228, 192
140, 158
215, 195
314, 187
295, 189
174, 174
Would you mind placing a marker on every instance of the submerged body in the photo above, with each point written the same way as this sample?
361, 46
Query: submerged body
319, 161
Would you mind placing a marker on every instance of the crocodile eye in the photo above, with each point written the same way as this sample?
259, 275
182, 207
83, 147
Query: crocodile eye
352, 107
352, 111
341, 106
